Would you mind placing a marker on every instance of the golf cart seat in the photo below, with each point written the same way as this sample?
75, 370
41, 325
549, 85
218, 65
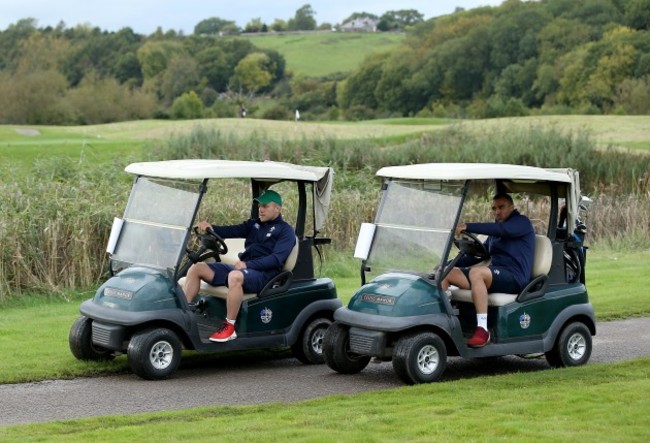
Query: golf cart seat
279, 283
535, 288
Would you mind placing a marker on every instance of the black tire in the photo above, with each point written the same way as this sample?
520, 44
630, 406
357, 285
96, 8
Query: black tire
154, 354
336, 351
419, 358
309, 347
572, 347
81, 344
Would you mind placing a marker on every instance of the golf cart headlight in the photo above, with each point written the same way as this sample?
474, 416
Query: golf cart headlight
118, 293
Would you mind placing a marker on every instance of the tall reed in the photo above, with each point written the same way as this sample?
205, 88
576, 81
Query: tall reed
54, 221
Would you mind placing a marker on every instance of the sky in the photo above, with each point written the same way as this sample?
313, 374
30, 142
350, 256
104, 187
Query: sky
145, 16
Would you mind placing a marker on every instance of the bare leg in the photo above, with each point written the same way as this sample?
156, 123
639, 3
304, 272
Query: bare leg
480, 279
196, 273
457, 278
235, 294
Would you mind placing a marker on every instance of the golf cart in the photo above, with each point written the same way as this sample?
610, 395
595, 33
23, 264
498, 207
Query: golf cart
402, 314
141, 310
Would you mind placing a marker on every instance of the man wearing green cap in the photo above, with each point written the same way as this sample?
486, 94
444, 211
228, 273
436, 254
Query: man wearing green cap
269, 241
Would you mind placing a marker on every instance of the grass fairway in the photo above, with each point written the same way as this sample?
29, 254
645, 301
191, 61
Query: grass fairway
323, 53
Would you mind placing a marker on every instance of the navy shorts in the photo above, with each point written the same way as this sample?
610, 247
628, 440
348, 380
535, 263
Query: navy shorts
254, 280
502, 280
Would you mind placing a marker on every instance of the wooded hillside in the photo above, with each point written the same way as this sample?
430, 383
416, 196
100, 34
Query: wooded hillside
548, 56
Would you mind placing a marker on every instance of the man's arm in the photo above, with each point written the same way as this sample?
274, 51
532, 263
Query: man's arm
512, 228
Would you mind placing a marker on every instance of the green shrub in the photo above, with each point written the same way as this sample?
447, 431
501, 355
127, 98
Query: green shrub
187, 106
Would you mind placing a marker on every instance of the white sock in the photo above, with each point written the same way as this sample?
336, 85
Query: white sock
232, 322
481, 321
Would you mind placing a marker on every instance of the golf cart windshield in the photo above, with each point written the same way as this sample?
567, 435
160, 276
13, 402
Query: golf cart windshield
413, 225
155, 223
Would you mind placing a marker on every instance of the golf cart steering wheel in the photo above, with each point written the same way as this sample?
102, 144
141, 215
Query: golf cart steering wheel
470, 244
211, 240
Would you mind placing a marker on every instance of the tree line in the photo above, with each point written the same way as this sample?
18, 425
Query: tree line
552, 56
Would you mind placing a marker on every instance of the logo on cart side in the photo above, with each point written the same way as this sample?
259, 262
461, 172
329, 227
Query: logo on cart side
266, 315
378, 299
524, 321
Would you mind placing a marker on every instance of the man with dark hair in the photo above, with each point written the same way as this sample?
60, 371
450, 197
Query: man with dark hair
511, 244
269, 242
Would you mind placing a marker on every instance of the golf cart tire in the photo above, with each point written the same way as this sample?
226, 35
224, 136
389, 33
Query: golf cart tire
81, 344
154, 354
336, 351
572, 347
419, 358
309, 347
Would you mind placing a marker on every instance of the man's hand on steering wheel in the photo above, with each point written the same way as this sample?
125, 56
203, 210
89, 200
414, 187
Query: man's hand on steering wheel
469, 243
210, 239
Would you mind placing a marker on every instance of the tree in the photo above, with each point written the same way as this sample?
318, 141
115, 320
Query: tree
253, 72
279, 25
399, 20
637, 14
187, 106
303, 20
255, 25
214, 67
215, 26
180, 76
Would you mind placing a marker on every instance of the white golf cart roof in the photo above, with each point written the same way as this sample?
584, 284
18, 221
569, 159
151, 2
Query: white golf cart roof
197, 169
201, 169
519, 178
475, 171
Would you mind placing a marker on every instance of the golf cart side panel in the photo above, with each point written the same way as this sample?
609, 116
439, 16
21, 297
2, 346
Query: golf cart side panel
391, 324
397, 295
262, 314
272, 339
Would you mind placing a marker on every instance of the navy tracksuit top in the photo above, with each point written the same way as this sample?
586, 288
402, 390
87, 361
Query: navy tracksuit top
268, 245
511, 244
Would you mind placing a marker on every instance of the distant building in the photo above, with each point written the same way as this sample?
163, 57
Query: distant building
363, 24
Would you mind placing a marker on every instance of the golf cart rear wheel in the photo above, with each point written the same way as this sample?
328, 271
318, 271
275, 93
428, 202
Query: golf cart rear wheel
309, 347
336, 350
572, 348
154, 354
81, 344
419, 358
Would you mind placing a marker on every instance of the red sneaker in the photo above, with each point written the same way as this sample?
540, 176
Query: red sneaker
480, 338
224, 333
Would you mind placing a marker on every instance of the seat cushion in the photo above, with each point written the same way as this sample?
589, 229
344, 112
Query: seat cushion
494, 298
214, 291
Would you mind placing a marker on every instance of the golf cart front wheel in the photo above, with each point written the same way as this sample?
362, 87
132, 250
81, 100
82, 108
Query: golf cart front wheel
154, 354
309, 347
81, 344
336, 350
419, 358
572, 348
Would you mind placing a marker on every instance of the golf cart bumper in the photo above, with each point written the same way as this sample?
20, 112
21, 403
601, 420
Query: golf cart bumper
112, 328
373, 335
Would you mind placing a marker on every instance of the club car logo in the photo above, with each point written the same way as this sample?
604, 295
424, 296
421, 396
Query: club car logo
378, 299
524, 321
266, 315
